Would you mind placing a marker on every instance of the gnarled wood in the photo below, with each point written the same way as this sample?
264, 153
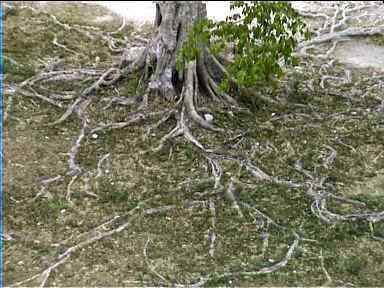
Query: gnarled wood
173, 20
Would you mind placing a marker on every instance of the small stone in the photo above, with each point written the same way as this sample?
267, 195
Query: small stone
48, 195
94, 136
208, 117
264, 236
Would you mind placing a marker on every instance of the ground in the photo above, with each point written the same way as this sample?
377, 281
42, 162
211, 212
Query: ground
333, 132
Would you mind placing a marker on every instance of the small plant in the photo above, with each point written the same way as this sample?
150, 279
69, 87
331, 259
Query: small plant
54, 206
264, 35
58, 204
189, 152
354, 265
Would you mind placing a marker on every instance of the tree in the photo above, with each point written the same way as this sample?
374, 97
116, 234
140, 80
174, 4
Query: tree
181, 66
181, 59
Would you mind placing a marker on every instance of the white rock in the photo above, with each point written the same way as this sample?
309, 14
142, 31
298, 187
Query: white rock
94, 136
131, 54
208, 117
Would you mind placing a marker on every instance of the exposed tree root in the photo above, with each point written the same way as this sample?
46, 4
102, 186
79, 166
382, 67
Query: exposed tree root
320, 193
231, 196
56, 43
335, 30
266, 270
197, 81
152, 269
34, 94
329, 279
211, 232
91, 237
203, 280
44, 183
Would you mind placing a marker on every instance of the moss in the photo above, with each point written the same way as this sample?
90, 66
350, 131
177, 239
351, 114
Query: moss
378, 39
297, 128
29, 36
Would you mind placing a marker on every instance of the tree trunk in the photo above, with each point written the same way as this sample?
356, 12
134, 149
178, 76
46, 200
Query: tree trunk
172, 22
199, 79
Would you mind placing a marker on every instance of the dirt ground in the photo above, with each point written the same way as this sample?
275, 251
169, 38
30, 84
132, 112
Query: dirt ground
334, 133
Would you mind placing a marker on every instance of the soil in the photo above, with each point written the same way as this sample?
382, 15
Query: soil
306, 125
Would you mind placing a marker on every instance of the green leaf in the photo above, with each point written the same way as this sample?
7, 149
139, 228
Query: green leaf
261, 37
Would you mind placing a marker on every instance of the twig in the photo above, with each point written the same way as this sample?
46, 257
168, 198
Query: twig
212, 234
150, 267
329, 279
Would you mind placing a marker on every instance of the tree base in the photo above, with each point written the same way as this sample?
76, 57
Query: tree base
197, 84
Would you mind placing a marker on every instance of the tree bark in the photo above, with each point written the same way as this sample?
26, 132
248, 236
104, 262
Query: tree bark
172, 22
198, 82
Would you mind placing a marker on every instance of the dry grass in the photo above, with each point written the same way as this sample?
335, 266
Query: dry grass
301, 128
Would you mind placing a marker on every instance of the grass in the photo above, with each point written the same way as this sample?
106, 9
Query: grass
299, 128
379, 40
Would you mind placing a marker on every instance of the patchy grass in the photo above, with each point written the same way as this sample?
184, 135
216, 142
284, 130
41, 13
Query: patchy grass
300, 128
378, 39
30, 34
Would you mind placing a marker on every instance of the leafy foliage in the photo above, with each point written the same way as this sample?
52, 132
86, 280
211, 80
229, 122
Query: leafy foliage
263, 36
